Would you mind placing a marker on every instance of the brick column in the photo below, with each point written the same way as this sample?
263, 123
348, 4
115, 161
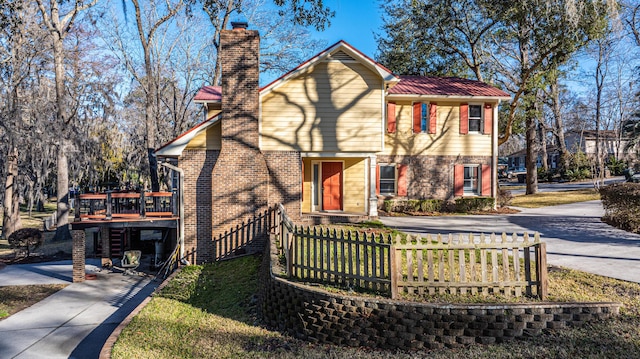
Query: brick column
78, 254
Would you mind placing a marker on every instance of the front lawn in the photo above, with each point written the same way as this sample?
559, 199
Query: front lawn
210, 312
544, 199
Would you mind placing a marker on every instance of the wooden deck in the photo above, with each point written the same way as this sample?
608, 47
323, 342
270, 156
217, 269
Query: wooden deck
126, 209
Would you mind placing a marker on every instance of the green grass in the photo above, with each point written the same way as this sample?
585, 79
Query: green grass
17, 297
209, 312
544, 199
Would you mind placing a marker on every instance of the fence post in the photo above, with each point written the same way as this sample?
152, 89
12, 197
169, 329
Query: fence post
541, 268
393, 267
288, 249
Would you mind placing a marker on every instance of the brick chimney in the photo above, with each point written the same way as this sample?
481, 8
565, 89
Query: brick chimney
240, 176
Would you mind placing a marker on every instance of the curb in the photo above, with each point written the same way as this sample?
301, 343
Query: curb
105, 353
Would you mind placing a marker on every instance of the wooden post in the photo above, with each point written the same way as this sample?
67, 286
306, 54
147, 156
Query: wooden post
143, 210
288, 248
393, 267
541, 268
106, 247
108, 214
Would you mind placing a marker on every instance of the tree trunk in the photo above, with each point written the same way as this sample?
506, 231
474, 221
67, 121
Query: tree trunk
150, 123
62, 185
11, 207
559, 130
531, 137
62, 209
542, 132
532, 156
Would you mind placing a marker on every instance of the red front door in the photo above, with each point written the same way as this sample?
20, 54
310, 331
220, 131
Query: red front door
331, 186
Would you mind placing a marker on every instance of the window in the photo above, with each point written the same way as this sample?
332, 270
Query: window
472, 179
387, 179
475, 118
391, 179
424, 118
471, 176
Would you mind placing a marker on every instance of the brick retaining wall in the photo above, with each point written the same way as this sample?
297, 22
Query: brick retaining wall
315, 315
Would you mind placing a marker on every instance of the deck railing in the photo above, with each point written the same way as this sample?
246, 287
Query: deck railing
114, 205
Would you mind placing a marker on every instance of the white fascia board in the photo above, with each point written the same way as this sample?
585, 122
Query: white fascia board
336, 154
175, 148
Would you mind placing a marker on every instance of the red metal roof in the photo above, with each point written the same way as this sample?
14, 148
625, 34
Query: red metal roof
444, 86
209, 94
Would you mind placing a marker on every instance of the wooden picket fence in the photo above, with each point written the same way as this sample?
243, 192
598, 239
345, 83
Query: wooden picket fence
352, 260
476, 264
470, 265
245, 238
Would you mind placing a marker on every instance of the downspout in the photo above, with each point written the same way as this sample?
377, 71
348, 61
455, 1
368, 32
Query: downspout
494, 159
181, 209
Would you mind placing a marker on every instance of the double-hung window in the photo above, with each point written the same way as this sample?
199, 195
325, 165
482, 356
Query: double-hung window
387, 180
475, 118
391, 179
471, 179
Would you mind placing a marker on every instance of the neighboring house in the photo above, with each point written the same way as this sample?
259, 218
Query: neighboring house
611, 143
517, 160
335, 135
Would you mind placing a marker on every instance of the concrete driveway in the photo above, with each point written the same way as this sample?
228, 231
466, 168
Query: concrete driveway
74, 322
575, 236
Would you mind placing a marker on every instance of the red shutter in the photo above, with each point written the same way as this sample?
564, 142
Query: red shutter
488, 118
417, 117
486, 180
402, 180
433, 117
391, 117
458, 180
464, 118
377, 179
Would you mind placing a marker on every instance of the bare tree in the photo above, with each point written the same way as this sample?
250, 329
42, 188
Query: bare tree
59, 24
19, 73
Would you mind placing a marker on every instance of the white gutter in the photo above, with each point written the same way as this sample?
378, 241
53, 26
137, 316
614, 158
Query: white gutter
181, 210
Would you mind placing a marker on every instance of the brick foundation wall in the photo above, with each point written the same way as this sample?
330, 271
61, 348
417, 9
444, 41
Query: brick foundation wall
431, 176
318, 316
197, 166
285, 186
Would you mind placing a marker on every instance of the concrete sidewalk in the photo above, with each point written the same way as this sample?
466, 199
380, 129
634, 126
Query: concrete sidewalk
575, 236
74, 322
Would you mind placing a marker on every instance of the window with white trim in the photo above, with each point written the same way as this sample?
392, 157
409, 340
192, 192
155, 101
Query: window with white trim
472, 177
475, 118
388, 183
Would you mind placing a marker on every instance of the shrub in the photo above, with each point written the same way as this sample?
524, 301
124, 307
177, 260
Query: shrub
431, 205
616, 166
504, 197
25, 239
388, 205
412, 205
621, 202
474, 204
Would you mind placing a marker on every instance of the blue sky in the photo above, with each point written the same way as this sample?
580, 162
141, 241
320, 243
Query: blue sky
355, 22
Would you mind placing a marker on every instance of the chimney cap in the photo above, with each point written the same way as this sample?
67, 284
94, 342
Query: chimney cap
240, 24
